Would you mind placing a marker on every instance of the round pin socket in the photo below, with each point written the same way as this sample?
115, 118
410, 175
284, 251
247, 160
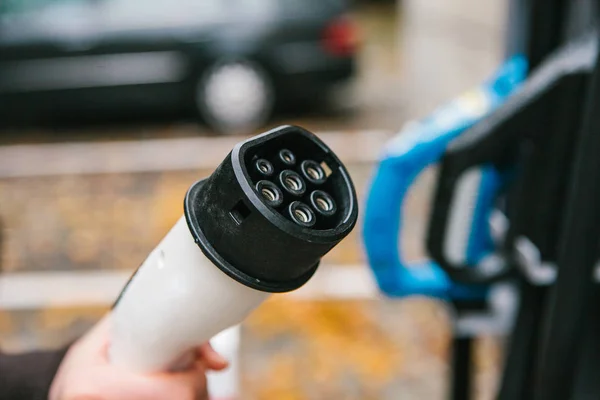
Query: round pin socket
233, 217
264, 167
323, 203
313, 171
302, 214
287, 157
270, 193
292, 182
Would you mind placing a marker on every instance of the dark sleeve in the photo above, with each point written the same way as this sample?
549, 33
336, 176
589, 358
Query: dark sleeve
28, 376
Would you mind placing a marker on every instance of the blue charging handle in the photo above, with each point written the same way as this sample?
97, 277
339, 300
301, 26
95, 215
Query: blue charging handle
416, 147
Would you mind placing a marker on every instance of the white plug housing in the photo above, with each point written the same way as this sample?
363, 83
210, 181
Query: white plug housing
176, 300
252, 228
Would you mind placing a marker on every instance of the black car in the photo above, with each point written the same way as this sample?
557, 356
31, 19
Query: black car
228, 60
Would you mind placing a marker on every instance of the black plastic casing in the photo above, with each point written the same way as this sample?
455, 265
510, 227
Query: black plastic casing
255, 243
536, 199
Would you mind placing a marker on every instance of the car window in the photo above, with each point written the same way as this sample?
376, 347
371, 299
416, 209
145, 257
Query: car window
19, 7
132, 14
144, 13
295, 8
23, 19
252, 9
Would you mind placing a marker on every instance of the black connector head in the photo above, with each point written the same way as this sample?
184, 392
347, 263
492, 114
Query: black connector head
277, 204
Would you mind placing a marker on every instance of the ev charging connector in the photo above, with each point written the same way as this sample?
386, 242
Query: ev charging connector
258, 225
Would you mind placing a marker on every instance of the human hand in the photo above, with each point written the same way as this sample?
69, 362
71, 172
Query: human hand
86, 374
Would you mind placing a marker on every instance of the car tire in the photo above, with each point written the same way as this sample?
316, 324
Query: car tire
234, 97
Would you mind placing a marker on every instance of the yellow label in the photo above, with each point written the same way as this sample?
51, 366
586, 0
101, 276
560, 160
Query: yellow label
474, 102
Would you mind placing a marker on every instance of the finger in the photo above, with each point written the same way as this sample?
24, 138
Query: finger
192, 382
189, 384
203, 395
93, 344
184, 362
102, 327
211, 359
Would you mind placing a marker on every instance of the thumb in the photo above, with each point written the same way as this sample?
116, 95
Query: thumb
211, 359
95, 341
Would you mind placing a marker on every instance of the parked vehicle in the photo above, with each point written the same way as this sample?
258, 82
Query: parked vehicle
228, 60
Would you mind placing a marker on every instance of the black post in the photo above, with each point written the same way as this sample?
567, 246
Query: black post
569, 296
519, 363
461, 372
461, 368
546, 26
587, 384
546, 21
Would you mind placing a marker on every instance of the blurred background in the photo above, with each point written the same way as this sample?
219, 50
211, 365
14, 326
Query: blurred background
110, 109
